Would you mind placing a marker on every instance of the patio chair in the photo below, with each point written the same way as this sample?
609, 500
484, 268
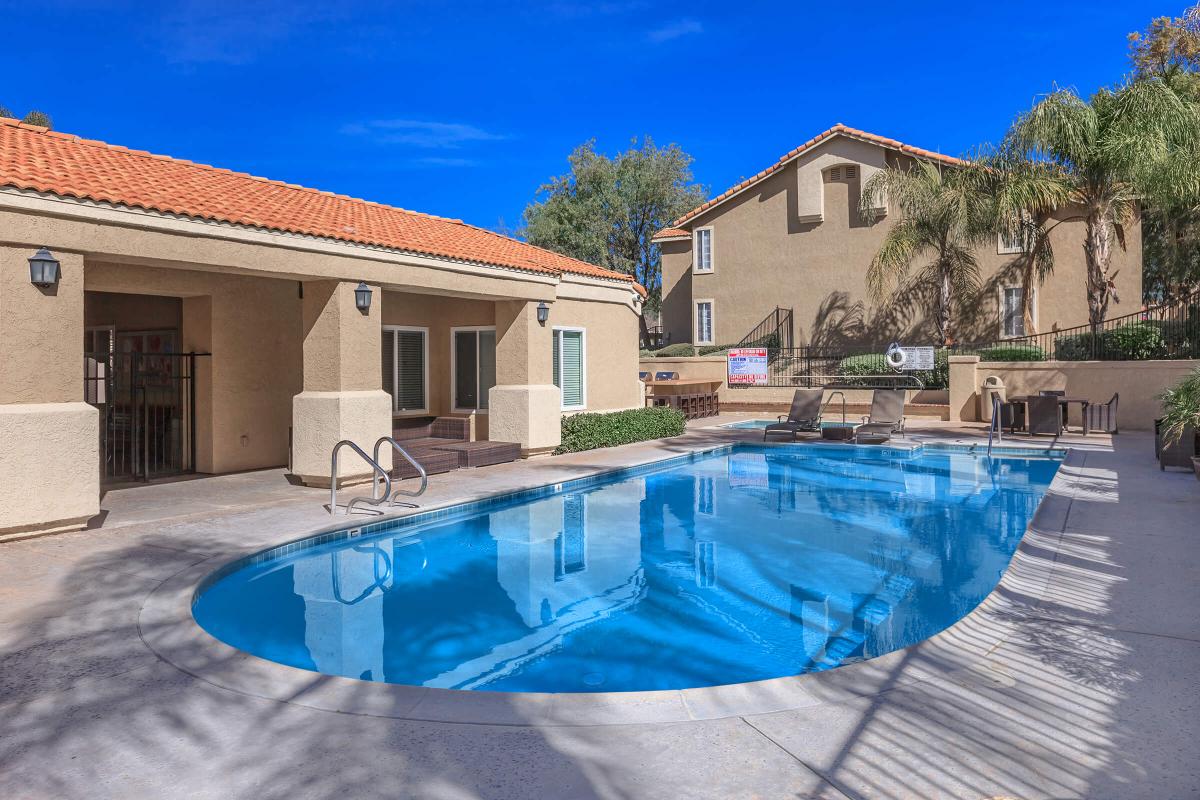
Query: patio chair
887, 410
1056, 393
1103, 416
666, 376
804, 416
1044, 416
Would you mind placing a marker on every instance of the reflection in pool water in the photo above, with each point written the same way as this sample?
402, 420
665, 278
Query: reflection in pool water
738, 566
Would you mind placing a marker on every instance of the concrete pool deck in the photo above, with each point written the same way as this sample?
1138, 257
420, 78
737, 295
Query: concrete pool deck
1079, 680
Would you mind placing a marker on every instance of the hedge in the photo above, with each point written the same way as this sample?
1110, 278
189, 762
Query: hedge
590, 431
682, 350
1133, 341
1012, 353
712, 349
876, 364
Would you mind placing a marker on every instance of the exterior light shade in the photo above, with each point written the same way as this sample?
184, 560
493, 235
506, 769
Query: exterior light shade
362, 297
543, 313
43, 268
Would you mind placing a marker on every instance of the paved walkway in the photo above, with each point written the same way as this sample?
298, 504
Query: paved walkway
1089, 693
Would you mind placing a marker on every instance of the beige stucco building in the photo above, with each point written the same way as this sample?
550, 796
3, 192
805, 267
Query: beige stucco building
791, 237
210, 321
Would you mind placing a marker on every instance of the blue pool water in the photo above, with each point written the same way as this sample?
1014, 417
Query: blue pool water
739, 565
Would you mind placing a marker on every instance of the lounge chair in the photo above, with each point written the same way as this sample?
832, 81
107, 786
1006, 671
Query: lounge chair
887, 410
804, 416
1044, 415
1103, 416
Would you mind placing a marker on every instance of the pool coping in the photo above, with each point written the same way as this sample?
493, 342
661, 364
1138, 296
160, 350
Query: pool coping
166, 626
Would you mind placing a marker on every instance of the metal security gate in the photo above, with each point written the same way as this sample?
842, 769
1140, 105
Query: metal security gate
147, 404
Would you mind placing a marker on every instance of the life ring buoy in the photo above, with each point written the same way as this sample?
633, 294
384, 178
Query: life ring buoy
895, 357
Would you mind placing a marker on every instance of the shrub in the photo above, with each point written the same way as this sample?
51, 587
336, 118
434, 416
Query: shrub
1012, 353
682, 350
876, 364
1133, 341
644, 353
590, 431
1077, 347
710, 349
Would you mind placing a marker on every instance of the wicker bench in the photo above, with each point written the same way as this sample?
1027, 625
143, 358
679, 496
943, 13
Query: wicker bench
422, 437
482, 454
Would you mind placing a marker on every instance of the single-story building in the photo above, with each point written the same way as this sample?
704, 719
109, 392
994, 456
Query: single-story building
791, 237
199, 319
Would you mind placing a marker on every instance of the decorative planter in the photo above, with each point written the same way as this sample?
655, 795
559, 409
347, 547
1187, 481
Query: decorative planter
1180, 454
1196, 466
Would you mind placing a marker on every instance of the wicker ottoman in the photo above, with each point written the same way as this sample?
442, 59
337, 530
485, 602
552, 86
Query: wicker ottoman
482, 454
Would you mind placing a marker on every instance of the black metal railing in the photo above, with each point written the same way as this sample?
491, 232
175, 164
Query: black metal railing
774, 332
1168, 331
848, 368
147, 404
653, 338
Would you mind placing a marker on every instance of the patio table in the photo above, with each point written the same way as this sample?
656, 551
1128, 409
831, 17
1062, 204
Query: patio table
1065, 402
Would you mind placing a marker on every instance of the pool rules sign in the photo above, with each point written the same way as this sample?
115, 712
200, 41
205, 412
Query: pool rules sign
747, 366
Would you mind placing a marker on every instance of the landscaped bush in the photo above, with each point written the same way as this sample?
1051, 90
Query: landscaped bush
1012, 353
644, 353
1133, 341
682, 350
711, 349
876, 364
590, 431
1077, 347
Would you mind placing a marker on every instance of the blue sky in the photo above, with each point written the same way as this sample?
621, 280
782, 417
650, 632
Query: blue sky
463, 109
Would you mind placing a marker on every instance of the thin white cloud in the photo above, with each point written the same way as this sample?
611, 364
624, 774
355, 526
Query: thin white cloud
420, 133
435, 161
674, 30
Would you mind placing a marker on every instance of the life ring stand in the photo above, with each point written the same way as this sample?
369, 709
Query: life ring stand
895, 356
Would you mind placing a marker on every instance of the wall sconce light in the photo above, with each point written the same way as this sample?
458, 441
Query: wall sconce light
543, 313
43, 269
362, 297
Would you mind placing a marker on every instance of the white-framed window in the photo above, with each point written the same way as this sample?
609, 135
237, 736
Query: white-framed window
702, 248
405, 355
1012, 311
472, 367
1013, 242
704, 321
570, 366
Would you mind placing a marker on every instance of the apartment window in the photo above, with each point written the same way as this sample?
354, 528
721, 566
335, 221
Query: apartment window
570, 554
1013, 242
473, 353
405, 376
704, 250
1012, 314
704, 322
569, 366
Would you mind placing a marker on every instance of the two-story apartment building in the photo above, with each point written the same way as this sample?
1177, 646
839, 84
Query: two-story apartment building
791, 236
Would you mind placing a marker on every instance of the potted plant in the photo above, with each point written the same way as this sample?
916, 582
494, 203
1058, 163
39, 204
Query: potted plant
1179, 423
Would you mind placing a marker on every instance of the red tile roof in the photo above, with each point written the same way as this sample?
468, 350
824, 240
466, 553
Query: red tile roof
34, 158
836, 130
671, 233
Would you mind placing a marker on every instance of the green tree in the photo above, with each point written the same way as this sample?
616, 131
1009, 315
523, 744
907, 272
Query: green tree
1137, 143
606, 210
1169, 49
34, 117
943, 217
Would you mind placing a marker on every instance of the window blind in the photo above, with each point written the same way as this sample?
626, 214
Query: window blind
410, 371
388, 350
568, 366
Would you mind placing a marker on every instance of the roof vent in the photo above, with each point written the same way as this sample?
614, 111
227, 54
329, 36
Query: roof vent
851, 173
834, 174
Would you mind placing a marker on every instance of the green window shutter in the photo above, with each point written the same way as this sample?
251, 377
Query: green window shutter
410, 372
570, 367
387, 349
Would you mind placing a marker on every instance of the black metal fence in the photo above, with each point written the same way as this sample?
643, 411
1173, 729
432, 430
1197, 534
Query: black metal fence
849, 368
775, 331
1168, 331
147, 404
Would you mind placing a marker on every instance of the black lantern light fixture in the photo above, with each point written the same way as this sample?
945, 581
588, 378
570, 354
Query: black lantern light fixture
543, 313
43, 269
362, 297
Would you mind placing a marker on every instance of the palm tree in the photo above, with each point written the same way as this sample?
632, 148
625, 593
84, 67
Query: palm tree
943, 217
1122, 146
1025, 194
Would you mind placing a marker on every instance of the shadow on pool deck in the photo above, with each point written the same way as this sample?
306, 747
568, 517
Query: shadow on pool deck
1091, 694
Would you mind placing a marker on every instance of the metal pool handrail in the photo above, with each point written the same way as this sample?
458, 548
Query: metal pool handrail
830, 400
404, 453
333, 478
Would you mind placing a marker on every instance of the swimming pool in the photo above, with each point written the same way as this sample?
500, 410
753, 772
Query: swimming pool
734, 565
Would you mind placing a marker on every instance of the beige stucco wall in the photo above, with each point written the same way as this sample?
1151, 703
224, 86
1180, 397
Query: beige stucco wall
611, 336
252, 327
1138, 383
766, 254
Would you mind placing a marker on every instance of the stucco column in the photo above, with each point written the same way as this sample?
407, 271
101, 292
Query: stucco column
343, 395
49, 437
524, 406
964, 389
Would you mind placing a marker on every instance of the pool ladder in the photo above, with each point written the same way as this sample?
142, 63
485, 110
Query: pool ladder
377, 473
995, 427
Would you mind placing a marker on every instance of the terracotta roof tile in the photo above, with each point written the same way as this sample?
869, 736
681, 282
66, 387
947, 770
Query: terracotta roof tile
838, 129
671, 233
33, 158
